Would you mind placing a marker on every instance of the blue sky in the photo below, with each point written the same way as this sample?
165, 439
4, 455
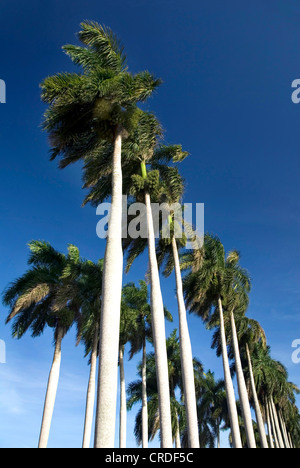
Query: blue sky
227, 69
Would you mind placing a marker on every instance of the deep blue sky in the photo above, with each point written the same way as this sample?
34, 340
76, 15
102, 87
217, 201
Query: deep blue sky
227, 69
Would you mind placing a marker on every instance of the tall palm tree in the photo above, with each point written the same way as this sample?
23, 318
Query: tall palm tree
274, 390
142, 187
92, 113
212, 403
171, 186
175, 377
205, 287
235, 305
168, 255
132, 306
30, 299
264, 382
82, 287
144, 184
250, 333
137, 298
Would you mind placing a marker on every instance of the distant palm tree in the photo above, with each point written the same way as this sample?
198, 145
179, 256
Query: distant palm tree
235, 304
133, 307
205, 287
135, 394
137, 298
274, 391
167, 189
82, 287
212, 403
168, 256
250, 333
164, 184
90, 113
30, 299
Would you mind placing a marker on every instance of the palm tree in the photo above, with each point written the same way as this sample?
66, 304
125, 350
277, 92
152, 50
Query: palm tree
143, 186
30, 299
168, 254
92, 113
235, 305
205, 288
274, 391
212, 403
165, 183
82, 287
133, 304
250, 333
264, 381
137, 298
135, 394
170, 192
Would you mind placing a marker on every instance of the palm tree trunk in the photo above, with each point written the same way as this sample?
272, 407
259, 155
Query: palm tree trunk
218, 439
51, 390
144, 399
110, 313
244, 400
269, 426
90, 398
282, 424
159, 335
279, 435
232, 408
290, 441
187, 367
123, 409
177, 435
273, 426
259, 417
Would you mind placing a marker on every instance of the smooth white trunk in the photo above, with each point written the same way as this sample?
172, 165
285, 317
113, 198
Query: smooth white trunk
284, 432
51, 391
270, 432
242, 389
90, 397
259, 417
232, 408
110, 313
276, 421
177, 436
187, 368
123, 409
218, 440
159, 336
144, 399
273, 426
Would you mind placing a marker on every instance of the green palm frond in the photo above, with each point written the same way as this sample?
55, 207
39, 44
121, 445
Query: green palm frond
105, 44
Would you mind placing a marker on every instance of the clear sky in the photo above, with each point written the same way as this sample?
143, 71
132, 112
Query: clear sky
227, 69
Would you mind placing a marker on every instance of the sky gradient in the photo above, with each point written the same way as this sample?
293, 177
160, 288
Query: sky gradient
227, 69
